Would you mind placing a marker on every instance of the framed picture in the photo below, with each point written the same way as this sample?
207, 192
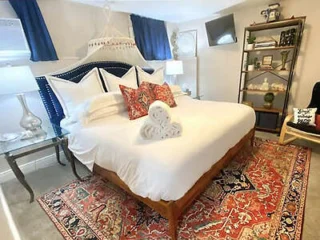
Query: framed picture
267, 60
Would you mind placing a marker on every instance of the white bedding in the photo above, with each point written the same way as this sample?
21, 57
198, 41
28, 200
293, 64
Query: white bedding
163, 169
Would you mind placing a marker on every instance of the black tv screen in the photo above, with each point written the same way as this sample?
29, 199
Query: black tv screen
221, 31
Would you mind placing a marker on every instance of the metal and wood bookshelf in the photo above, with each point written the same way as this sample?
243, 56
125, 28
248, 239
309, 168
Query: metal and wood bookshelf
276, 114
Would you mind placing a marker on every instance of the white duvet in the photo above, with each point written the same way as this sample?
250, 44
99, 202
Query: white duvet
163, 169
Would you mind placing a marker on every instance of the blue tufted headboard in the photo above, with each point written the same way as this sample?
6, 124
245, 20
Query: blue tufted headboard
50, 100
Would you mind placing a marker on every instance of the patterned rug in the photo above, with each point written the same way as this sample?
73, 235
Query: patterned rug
260, 195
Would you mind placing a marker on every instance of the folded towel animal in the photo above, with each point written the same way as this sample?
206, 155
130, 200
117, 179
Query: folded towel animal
159, 113
159, 123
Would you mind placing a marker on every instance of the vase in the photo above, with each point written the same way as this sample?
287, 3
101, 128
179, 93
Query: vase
250, 68
29, 121
284, 55
268, 100
250, 46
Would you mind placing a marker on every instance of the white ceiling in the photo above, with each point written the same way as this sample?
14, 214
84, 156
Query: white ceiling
172, 10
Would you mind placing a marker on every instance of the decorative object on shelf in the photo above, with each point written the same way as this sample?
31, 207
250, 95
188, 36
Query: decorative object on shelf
19, 80
284, 57
283, 42
256, 63
278, 87
250, 86
254, 86
272, 13
248, 103
266, 43
251, 65
265, 85
251, 40
267, 62
268, 100
288, 38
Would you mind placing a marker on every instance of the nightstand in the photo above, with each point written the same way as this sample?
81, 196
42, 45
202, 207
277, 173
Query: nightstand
55, 136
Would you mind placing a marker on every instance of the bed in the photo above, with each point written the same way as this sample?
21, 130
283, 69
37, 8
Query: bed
166, 175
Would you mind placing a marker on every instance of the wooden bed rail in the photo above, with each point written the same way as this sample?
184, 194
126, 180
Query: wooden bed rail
172, 210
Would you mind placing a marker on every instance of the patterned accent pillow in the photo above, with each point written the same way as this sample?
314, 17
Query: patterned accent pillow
163, 93
304, 116
137, 100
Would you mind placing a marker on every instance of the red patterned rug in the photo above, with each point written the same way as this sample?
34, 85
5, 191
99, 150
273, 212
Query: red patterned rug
260, 195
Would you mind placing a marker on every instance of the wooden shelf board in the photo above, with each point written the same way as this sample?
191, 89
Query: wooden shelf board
271, 70
277, 130
263, 91
272, 110
270, 49
278, 24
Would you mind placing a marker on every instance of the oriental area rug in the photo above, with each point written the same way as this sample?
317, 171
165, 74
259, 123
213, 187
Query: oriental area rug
260, 195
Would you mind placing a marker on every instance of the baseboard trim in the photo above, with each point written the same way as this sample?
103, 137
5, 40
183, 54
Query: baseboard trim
31, 166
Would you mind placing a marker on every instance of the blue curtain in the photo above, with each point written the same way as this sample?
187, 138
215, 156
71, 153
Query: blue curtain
35, 29
151, 38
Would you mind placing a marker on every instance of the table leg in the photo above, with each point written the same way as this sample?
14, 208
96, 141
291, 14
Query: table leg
19, 175
70, 158
58, 154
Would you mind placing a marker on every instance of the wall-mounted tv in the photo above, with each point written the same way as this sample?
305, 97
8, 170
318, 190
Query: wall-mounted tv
221, 31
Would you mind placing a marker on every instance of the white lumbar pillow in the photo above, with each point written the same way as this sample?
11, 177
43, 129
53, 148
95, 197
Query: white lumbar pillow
157, 77
71, 95
112, 82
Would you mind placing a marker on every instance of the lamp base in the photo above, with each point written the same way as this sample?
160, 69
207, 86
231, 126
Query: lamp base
29, 121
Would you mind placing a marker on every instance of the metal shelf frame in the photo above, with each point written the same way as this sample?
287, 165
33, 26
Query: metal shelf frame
297, 23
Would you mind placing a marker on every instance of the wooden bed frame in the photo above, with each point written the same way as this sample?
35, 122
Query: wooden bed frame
172, 210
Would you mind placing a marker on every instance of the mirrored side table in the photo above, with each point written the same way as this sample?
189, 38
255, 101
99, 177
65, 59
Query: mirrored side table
53, 136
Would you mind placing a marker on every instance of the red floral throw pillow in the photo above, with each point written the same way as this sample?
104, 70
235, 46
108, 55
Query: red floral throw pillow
137, 100
163, 93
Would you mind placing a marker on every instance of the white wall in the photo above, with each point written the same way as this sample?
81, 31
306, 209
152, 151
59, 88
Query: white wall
71, 25
219, 67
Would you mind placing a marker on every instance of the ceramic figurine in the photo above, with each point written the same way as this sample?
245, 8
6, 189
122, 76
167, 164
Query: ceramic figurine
265, 85
250, 87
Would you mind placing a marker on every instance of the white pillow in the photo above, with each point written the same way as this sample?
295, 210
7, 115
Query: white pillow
105, 112
71, 95
112, 82
100, 106
305, 116
157, 77
103, 101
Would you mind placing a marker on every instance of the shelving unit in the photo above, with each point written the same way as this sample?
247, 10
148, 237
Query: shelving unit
275, 115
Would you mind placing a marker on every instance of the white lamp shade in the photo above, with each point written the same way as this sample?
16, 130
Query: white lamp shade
15, 80
13, 44
174, 67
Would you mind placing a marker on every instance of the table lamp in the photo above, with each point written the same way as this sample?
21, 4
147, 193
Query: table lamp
174, 68
20, 80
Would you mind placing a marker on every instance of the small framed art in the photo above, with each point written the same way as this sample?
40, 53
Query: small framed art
267, 60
